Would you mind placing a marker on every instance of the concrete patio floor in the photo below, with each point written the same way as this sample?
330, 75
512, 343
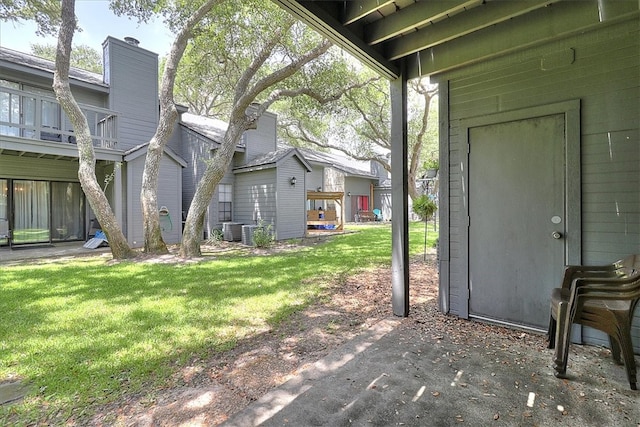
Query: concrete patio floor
403, 373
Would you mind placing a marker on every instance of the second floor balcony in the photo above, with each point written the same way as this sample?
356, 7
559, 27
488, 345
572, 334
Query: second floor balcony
35, 116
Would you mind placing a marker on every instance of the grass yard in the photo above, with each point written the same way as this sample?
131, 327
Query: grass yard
82, 333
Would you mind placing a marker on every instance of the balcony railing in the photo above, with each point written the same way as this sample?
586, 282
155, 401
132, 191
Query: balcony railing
35, 116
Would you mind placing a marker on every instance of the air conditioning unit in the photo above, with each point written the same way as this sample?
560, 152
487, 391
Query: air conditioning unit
247, 234
232, 231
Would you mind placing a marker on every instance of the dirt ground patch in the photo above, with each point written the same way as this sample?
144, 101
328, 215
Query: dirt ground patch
207, 392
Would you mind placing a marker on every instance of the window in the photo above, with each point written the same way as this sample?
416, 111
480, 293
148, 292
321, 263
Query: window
28, 112
9, 108
225, 193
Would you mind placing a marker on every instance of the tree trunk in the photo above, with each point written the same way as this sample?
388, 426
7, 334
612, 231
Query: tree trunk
86, 170
153, 242
214, 172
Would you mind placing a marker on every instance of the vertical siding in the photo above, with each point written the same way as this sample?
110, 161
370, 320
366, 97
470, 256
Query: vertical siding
314, 179
254, 194
133, 80
175, 142
169, 195
134, 233
261, 140
605, 77
194, 151
291, 220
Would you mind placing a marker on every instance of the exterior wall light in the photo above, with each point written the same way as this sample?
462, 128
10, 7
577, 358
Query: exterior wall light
292, 181
349, 194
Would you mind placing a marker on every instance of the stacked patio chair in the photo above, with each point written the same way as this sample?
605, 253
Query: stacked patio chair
602, 297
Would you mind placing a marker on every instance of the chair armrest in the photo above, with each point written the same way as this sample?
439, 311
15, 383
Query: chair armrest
572, 272
607, 288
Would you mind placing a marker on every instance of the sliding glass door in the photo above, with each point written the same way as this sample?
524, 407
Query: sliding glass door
31, 212
67, 207
40, 212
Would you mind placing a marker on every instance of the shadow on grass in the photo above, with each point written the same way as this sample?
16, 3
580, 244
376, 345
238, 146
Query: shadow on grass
83, 333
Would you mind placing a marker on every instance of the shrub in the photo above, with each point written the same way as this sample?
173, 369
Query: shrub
215, 238
263, 235
432, 164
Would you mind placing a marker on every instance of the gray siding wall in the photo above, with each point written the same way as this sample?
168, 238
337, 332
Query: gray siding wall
195, 150
382, 201
169, 195
169, 182
292, 218
315, 178
261, 140
605, 77
255, 194
132, 74
357, 187
175, 142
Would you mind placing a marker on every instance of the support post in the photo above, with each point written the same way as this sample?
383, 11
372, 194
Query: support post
399, 196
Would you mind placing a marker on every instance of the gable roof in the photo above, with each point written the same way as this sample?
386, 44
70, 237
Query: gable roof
25, 62
141, 150
272, 159
210, 128
344, 164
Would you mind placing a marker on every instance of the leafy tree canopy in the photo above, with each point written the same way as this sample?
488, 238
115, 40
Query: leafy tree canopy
45, 13
210, 74
82, 56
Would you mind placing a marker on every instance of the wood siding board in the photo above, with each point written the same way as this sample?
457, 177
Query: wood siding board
133, 92
291, 212
253, 192
606, 77
38, 169
261, 140
518, 75
134, 232
170, 195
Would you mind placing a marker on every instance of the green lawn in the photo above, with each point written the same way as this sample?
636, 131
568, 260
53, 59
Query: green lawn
83, 333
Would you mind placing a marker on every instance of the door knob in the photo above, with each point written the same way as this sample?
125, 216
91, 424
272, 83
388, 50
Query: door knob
556, 235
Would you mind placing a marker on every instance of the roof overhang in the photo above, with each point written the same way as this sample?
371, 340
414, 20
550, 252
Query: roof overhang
430, 37
33, 148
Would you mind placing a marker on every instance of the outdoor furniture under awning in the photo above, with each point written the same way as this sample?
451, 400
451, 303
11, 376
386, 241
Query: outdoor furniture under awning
601, 297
